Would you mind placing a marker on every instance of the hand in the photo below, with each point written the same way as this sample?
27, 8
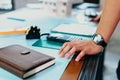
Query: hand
97, 19
86, 47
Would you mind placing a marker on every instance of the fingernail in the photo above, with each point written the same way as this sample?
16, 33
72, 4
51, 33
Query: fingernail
66, 56
60, 55
76, 60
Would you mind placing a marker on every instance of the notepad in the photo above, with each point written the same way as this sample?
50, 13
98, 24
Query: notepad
76, 29
22, 61
10, 26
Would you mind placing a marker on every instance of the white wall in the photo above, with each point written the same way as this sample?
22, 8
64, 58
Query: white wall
22, 3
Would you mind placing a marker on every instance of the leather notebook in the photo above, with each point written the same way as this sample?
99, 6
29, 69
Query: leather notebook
22, 61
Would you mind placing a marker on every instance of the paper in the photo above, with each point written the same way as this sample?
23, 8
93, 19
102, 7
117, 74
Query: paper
75, 28
10, 25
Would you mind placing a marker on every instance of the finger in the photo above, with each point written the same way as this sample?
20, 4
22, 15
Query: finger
71, 52
81, 54
96, 19
64, 45
65, 50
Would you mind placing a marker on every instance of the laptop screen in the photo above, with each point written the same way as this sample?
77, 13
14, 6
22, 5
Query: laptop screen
6, 5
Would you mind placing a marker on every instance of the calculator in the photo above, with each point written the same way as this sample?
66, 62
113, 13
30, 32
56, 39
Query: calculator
62, 37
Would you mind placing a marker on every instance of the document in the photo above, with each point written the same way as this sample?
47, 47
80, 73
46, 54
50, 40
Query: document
76, 29
12, 25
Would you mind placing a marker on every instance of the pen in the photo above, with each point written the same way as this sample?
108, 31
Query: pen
13, 32
17, 19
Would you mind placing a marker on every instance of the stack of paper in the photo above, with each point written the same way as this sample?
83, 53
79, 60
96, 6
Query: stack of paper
78, 29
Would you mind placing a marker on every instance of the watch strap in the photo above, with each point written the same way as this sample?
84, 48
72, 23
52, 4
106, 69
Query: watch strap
103, 43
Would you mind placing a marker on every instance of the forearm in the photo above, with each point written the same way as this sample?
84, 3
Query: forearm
109, 19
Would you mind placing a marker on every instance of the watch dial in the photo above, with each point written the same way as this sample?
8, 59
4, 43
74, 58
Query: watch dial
97, 38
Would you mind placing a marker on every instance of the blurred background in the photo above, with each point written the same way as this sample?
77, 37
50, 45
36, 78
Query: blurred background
112, 55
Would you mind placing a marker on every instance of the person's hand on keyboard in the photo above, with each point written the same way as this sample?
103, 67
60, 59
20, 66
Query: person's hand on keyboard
95, 16
96, 19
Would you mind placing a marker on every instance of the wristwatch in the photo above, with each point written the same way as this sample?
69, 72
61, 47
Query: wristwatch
98, 39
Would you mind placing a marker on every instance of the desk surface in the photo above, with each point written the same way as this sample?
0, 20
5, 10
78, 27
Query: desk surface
45, 22
45, 25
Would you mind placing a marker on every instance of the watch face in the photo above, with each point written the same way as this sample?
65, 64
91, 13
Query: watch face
97, 39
